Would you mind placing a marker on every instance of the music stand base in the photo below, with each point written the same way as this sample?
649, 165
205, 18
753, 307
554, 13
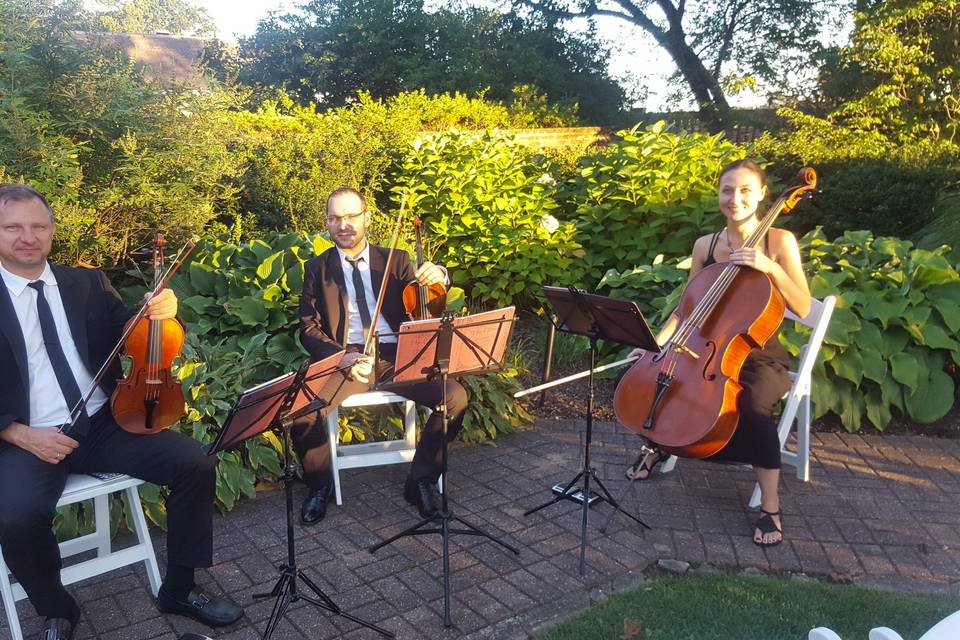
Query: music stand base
444, 518
286, 592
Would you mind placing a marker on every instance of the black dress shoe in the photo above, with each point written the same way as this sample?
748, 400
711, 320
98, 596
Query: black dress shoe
315, 506
214, 612
57, 629
423, 495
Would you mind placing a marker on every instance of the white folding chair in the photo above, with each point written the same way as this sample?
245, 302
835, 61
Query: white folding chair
946, 629
82, 487
796, 410
370, 454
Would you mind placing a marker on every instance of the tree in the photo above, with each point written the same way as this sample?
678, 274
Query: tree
179, 17
899, 75
767, 39
332, 49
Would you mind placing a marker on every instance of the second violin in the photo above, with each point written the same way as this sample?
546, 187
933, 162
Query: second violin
419, 300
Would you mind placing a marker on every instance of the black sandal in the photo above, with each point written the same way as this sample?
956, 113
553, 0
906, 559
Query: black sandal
658, 457
766, 525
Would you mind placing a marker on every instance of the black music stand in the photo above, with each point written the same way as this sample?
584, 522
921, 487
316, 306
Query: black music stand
275, 405
431, 349
595, 317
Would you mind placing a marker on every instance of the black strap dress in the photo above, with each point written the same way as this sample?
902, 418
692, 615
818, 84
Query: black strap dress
765, 378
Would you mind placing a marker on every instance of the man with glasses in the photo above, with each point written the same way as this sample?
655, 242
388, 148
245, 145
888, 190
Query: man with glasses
340, 289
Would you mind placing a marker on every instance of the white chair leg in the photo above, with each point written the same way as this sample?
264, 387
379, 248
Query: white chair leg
333, 437
668, 464
803, 438
101, 520
410, 423
135, 509
822, 633
884, 633
9, 604
755, 497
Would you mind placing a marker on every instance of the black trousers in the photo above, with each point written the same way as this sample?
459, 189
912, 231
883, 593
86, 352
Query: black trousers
310, 439
30, 488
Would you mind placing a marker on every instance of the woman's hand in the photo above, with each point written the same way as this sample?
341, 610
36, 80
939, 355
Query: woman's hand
753, 258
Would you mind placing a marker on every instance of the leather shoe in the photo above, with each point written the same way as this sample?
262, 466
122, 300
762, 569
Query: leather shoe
57, 629
423, 495
315, 506
214, 612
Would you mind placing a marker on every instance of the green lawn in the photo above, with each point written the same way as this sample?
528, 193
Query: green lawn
705, 608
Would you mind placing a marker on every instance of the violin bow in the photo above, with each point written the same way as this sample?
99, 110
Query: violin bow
368, 341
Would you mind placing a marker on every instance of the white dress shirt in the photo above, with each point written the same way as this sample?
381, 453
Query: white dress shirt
355, 325
48, 407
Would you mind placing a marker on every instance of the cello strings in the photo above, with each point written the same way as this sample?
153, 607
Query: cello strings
714, 294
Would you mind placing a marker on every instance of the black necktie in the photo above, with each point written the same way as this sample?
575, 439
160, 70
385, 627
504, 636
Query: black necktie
61, 368
361, 296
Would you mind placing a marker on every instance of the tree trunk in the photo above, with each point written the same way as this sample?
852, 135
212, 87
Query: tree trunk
712, 104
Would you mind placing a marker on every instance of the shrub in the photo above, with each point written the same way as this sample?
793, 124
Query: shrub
867, 181
892, 339
487, 205
649, 192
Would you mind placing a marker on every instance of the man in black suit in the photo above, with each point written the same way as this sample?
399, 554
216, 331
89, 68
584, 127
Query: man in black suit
340, 289
57, 326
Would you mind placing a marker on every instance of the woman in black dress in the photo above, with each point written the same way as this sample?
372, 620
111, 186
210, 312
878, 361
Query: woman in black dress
743, 185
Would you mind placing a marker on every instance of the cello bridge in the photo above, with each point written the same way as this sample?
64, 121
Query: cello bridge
682, 348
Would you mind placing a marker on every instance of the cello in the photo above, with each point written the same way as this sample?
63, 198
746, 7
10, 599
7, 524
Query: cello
684, 399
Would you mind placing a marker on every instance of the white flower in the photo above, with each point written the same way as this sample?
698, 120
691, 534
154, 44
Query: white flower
548, 180
186, 113
549, 223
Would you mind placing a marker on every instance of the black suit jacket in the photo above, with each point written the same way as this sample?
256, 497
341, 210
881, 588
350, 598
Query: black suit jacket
324, 320
96, 316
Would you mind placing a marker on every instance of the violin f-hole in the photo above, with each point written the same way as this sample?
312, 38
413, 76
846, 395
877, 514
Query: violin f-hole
708, 361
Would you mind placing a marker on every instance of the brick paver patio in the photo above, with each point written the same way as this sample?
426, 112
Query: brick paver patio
881, 511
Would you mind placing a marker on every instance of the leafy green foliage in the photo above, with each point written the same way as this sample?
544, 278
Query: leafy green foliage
892, 343
329, 50
867, 180
649, 192
492, 409
898, 76
179, 17
487, 205
298, 155
887, 148
119, 157
656, 288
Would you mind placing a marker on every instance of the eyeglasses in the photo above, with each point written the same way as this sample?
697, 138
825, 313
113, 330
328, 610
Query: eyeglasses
352, 218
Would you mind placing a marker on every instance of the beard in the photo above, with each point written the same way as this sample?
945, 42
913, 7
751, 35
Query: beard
348, 241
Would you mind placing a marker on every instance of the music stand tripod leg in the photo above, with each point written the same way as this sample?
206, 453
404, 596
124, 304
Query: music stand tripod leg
587, 472
285, 591
444, 515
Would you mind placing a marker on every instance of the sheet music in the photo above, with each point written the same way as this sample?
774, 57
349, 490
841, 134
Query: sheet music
488, 334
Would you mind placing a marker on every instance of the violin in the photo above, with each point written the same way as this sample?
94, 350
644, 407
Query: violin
421, 301
149, 399
684, 399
